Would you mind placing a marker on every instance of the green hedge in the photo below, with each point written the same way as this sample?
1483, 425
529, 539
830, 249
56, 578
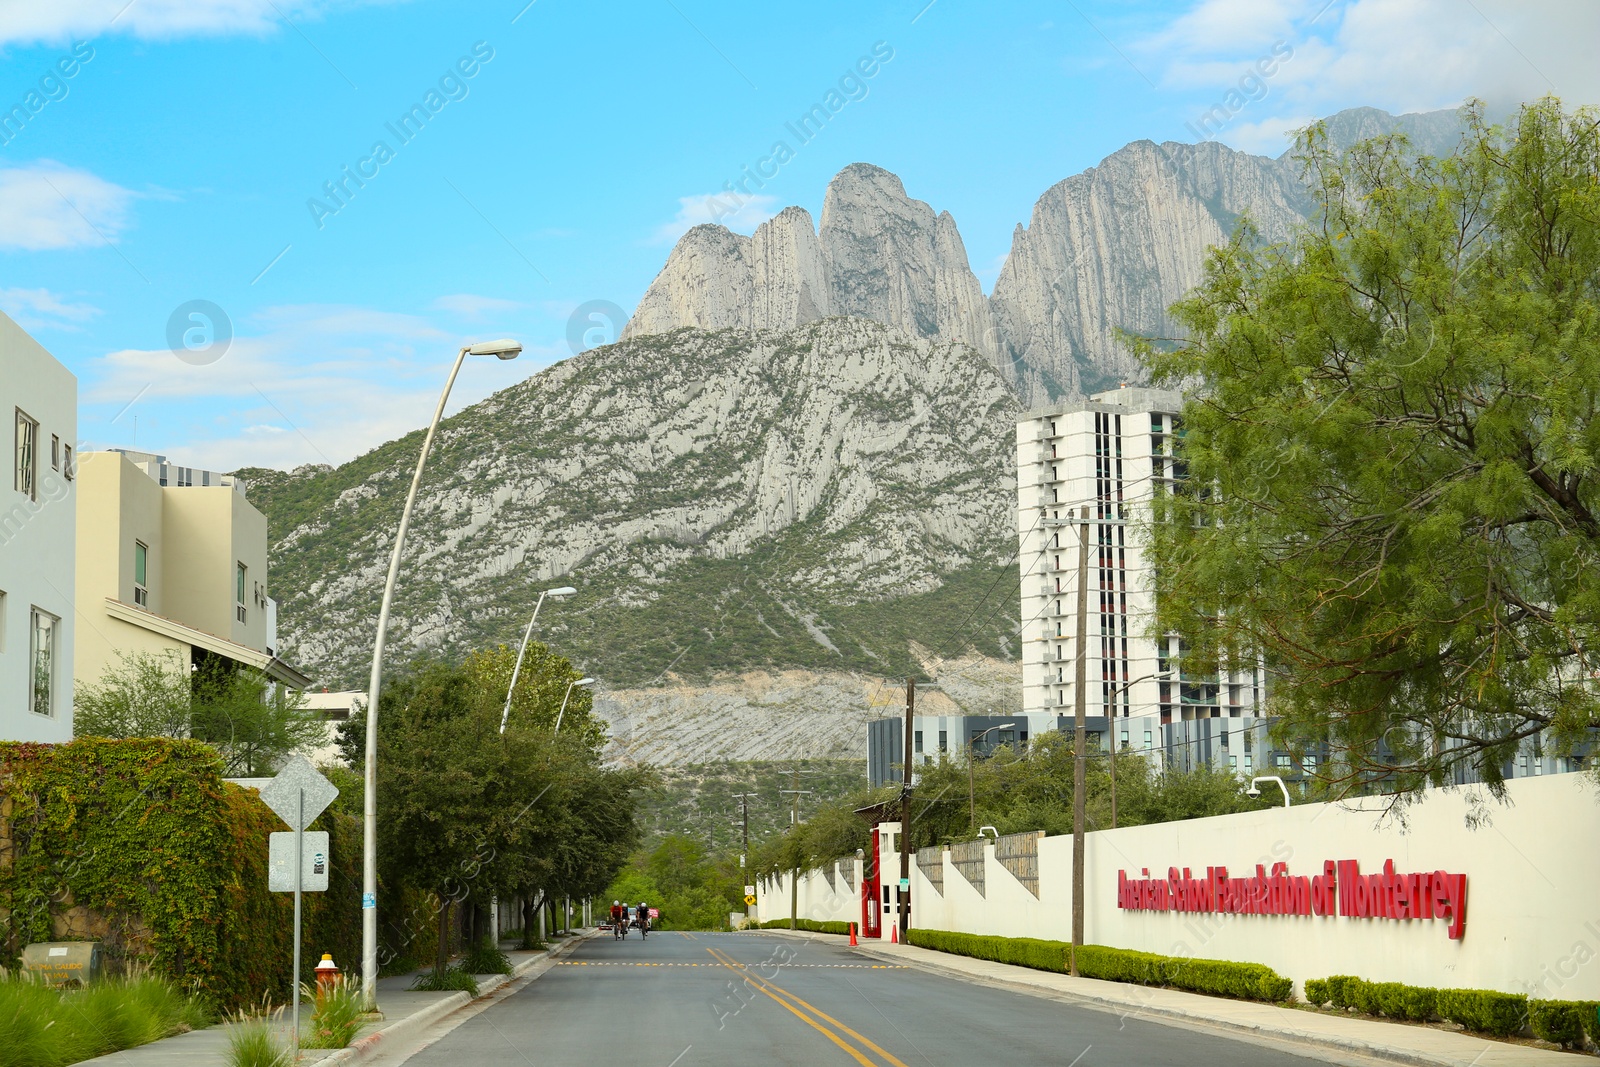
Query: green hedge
811, 925
1247, 981
141, 845
1565, 1021
1483, 1010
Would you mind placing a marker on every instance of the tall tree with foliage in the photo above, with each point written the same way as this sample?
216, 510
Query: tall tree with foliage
1391, 450
251, 722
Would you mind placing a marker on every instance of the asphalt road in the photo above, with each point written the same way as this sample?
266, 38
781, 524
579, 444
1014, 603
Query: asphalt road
682, 1000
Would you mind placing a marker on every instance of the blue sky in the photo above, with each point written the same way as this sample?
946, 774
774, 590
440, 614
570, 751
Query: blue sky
179, 160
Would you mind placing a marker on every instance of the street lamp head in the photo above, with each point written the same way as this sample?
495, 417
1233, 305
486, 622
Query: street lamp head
584, 681
1005, 726
565, 590
505, 348
1252, 792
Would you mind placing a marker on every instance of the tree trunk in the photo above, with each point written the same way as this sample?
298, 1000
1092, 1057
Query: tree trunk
441, 956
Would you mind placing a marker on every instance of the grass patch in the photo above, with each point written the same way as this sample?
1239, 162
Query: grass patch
253, 1041
337, 1016
450, 980
45, 1027
486, 958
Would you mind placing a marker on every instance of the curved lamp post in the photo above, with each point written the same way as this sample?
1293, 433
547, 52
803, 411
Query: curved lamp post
972, 750
570, 685
561, 593
1111, 728
502, 349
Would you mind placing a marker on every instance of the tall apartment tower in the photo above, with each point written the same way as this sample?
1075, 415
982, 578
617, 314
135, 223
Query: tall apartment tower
1111, 453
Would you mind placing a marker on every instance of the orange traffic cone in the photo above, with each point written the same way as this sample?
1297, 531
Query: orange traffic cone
852, 933
894, 934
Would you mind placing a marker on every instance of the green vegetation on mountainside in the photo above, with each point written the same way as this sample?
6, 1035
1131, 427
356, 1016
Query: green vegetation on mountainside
724, 502
699, 801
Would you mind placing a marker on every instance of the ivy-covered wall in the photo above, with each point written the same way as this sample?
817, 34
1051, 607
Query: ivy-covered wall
141, 845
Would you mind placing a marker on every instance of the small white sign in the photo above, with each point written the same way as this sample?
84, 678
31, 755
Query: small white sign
313, 857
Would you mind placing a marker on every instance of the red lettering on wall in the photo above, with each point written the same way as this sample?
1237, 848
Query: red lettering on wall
1341, 889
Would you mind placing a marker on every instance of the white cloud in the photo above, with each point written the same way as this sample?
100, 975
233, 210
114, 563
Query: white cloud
46, 205
736, 211
40, 309
1399, 55
472, 306
58, 21
297, 384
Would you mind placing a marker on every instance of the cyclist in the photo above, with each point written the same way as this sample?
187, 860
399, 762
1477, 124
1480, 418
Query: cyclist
619, 919
644, 919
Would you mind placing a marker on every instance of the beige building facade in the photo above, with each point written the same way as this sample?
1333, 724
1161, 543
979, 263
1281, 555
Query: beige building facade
178, 570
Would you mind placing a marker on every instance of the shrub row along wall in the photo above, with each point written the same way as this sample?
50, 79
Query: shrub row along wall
139, 844
1565, 1022
1247, 981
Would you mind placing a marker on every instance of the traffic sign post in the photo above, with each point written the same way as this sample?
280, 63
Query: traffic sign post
298, 794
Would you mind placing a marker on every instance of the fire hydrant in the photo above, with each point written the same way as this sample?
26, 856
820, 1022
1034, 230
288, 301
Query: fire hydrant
328, 975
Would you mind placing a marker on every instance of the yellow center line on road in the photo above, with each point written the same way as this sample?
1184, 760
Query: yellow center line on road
691, 937
783, 996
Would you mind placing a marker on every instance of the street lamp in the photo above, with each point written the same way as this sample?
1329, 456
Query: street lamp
502, 349
562, 593
570, 686
1254, 792
1111, 727
972, 748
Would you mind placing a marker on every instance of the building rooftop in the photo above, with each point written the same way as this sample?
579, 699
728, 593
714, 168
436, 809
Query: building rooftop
175, 476
1125, 398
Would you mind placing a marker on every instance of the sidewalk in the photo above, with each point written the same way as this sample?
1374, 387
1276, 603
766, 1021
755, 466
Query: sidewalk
1397, 1042
405, 1015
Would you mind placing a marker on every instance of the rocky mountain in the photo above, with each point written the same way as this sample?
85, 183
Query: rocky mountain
831, 497
1108, 249
793, 476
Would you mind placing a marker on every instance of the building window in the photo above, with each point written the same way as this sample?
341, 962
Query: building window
66, 462
1147, 739
55, 452
944, 740
42, 663
916, 742
1233, 761
141, 565
26, 467
241, 583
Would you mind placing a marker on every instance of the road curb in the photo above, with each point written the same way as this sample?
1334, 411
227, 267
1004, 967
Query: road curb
368, 1047
1390, 1053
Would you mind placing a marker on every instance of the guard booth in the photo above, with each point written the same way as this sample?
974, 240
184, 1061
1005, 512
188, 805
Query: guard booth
881, 897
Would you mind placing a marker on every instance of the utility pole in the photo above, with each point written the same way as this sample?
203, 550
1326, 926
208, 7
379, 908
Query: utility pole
744, 862
903, 894
794, 821
1079, 738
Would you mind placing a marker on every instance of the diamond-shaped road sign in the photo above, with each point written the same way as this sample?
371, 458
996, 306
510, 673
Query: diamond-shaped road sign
282, 794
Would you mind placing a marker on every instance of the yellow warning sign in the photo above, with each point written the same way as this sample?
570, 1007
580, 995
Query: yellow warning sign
750, 899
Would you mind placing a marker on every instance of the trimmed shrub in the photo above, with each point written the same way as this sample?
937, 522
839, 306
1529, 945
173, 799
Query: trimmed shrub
1247, 981
1317, 993
1339, 990
1484, 1010
1564, 1021
1421, 1003
1362, 996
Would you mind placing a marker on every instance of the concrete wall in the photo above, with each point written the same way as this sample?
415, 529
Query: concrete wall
1532, 914
37, 533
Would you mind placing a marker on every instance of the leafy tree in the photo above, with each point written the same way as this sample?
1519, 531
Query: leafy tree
692, 890
143, 695
1392, 491
251, 722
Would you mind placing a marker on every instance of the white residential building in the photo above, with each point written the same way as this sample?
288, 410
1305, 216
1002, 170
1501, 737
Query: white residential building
1111, 454
38, 526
